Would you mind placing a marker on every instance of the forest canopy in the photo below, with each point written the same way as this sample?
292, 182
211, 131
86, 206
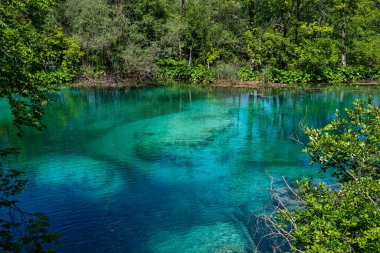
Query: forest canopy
286, 41
35, 57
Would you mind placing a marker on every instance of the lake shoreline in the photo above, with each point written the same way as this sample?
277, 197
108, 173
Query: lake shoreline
220, 83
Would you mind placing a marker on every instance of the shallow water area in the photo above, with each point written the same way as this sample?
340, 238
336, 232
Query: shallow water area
166, 169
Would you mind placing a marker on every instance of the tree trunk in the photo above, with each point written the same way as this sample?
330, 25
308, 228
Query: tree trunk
283, 45
203, 53
183, 7
344, 35
190, 57
251, 13
298, 17
179, 50
344, 58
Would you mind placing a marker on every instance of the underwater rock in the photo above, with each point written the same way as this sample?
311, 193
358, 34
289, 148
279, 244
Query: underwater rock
287, 198
163, 140
90, 176
217, 238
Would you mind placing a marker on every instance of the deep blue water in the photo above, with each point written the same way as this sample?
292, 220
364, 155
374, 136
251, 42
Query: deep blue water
166, 169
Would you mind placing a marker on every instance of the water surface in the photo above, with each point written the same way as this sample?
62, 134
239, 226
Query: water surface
166, 169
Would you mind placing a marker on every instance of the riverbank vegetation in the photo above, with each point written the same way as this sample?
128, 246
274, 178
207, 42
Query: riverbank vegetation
35, 58
121, 43
201, 41
343, 217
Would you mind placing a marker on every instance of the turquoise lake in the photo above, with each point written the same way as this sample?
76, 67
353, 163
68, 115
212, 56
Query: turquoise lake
166, 169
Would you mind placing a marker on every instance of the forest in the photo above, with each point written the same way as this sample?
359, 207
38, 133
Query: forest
191, 40
281, 41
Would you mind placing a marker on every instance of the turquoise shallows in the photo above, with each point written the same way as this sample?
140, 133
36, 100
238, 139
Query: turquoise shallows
166, 169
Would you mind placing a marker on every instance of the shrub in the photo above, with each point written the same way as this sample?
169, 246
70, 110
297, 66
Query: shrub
246, 74
349, 146
287, 76
347, 74
226, 71
374, 74
200, 74
344, 217
179, 70
173, 69
91, 72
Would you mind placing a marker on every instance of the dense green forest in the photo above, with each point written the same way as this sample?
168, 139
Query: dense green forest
289, 41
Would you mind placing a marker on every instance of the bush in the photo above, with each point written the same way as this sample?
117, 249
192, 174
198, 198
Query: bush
92, 72
179, 70
246, 74
200, 74
343, 217
333, 76
173, 69
374, 74
349, 146
226, 72
345, 75
287, 76
347, 220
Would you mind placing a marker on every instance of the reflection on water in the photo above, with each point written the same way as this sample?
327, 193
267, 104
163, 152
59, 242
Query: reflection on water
166, 169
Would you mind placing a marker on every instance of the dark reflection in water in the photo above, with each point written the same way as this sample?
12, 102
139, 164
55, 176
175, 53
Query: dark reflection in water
166, 169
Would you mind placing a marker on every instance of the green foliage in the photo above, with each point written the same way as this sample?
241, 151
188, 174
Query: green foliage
139, 63
226, 71
345, 75
20, 231
92, 72
34, 59
201, 74
345, 220
246, 74
349, 146
314, 56
315, 37
301, 40
375, 74
287, 76
173, 69
333, 76
181, 71
344, 217
93, 23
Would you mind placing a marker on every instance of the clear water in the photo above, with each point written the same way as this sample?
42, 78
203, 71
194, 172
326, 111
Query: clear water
166, 169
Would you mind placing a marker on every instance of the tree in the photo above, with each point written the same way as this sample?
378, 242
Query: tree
98, 27
21, 231
349, 146
319, 40
34, 58
343, 217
